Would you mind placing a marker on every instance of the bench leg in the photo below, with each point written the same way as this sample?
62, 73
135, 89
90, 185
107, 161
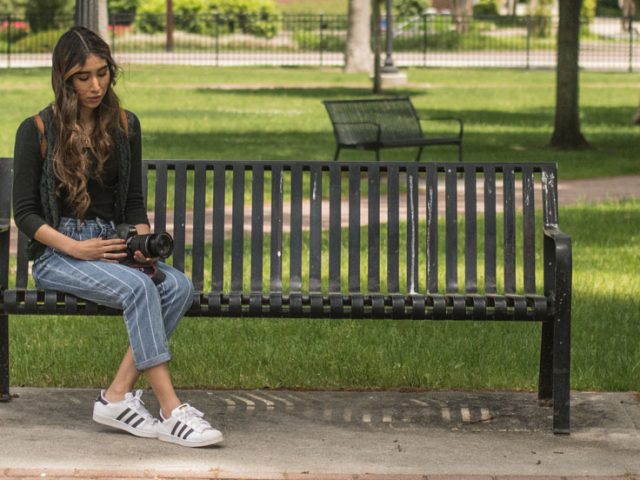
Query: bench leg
336, 155
545, 378
419, 154
378, 154
4, 358
561, 373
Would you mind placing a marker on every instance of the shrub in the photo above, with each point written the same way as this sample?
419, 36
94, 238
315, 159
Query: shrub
48, 14
312, 41
407, 8
15, 30
588, 10
255, 17
40, 42
486, 8
128, 7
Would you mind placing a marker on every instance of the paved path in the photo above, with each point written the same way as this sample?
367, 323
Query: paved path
273, 434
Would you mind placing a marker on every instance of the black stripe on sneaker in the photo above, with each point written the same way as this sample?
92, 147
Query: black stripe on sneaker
102, 400
124, 412
186, 435
175, 427
182, 430
132, 417
140, 420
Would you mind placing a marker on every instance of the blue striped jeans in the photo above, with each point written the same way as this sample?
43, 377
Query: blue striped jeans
151, 312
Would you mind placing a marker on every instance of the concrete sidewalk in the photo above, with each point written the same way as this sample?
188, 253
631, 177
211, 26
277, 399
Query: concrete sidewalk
272, 434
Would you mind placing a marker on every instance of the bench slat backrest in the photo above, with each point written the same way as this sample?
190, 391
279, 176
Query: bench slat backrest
312, 229
354, 120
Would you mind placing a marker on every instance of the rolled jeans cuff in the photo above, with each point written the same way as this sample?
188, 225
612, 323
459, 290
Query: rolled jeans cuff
152, 362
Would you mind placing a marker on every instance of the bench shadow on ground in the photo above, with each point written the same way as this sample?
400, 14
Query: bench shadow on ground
352, 410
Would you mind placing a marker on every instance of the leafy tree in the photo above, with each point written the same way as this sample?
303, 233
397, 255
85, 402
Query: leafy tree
11, 6
410, 8
588, 10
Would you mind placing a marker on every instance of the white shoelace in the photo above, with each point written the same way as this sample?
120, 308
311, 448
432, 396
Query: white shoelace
192, 417
135, 403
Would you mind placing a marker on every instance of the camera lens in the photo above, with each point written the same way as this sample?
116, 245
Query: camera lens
151, 245
160, 245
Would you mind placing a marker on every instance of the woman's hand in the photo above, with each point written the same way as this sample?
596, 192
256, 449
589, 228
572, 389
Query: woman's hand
140, 258
111, 250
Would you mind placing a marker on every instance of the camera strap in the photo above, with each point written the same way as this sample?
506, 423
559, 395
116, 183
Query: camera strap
149, 269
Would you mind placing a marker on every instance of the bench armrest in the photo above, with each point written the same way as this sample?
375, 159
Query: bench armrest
446, 119
377, 127
557, 267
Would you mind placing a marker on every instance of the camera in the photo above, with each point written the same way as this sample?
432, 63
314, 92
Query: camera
151, 245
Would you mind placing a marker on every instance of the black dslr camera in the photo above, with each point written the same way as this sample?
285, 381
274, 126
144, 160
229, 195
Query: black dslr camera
151, 245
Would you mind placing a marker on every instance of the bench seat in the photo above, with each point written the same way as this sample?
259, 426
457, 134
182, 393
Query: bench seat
416, 306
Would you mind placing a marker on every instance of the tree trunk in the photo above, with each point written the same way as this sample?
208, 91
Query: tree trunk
94, 15
567, 132
462, 13
170, 44
358, 56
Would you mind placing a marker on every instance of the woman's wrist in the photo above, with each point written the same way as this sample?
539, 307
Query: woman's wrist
69, 246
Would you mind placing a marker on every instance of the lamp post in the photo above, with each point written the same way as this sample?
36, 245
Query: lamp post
389, 67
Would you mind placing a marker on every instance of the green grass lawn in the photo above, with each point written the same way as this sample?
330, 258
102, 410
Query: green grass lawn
190, 112
253, 353
236, 113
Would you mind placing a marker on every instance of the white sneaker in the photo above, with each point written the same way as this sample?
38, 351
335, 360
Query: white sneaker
128, 415
186, 427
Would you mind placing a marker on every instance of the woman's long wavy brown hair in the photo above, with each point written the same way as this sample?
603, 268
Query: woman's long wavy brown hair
71, 165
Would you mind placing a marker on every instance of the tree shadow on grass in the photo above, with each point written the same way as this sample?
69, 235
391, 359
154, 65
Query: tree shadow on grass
256, 145
320, 93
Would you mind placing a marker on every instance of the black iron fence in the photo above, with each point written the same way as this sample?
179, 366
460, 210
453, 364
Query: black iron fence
319, 40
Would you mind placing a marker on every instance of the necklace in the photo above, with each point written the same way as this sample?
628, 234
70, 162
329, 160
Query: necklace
85, 131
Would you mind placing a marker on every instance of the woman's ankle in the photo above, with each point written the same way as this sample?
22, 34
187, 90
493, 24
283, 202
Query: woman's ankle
167, 410
113, 395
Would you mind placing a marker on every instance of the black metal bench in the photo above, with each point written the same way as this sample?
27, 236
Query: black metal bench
266, 240
374, 124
